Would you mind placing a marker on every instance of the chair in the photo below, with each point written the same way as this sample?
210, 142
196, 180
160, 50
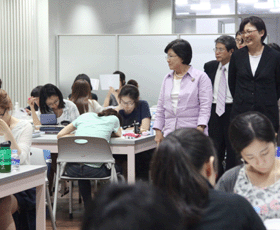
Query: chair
82, 149
37, 158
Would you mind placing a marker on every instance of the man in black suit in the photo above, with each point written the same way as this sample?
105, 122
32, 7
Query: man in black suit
222, 101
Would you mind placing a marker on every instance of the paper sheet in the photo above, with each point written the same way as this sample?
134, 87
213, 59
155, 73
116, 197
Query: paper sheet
94, 83
107, 80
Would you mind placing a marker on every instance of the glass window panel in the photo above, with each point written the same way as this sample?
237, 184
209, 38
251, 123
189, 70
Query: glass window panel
205, 25
204, 7
258, 7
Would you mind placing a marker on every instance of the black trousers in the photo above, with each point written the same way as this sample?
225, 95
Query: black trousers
218, 131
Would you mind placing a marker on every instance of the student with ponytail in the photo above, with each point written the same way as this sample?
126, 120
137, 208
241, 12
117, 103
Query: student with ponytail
184, 166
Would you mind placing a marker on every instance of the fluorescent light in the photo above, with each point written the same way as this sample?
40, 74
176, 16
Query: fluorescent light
223, 10
263, 5
181, 2
247, 1
275, 10
201, 6
184, 13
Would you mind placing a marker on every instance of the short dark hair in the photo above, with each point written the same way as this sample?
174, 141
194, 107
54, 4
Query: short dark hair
131, 91
182, 48
238, 33
176, 166
137, 207
274, 46
250, 126
47, 91
36, 91
122, 76
255, 21
227, 40
110, 111
82, 76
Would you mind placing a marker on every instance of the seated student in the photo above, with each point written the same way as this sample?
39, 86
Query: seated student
133, 82
23, 204
34, 97
132, 109
184, 166
81, 96
93, 125
137, 207
86, 78
51, 101
112, 96
258, 180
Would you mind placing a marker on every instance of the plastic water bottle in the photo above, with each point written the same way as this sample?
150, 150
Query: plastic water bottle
15, 160
151, 128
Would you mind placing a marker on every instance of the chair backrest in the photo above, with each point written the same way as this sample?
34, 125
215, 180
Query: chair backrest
37, 156
81, 149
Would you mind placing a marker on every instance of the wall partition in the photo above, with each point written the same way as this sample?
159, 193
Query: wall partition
140, 57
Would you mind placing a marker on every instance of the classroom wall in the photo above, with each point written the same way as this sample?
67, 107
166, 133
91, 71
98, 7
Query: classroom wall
105, 17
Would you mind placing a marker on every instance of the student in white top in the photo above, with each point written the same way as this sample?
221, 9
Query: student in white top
19, 133
51, 101
81, 96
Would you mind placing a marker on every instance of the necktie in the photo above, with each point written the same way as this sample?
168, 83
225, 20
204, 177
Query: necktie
222, 92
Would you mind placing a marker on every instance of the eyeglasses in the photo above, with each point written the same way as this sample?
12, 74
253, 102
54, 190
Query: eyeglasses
249, 32
218, 50
2, 115
129, 103
169, 56
52, 104
240, 41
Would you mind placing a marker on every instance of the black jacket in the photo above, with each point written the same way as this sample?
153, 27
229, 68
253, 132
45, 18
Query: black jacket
255, 93
210, 68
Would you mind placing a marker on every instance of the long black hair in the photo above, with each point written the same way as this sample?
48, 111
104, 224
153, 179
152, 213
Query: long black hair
47, 91
250, 126
176, 167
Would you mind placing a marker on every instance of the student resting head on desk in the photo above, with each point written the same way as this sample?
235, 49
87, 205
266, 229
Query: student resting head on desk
19, 132
184, 166
81, 96
51, 101
132, 109
100, 125
258, 180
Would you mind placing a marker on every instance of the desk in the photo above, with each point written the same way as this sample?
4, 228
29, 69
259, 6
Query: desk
119, 145
29, 176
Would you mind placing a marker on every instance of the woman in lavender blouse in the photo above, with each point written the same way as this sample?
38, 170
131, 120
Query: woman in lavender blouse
186, 93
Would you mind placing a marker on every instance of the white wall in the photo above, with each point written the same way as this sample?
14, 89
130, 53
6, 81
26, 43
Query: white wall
160, 16
105, 17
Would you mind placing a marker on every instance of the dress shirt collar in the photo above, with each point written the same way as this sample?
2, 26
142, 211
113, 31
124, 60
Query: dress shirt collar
225, 66
189, 73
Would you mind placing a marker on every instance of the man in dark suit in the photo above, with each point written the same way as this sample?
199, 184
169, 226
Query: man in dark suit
222, 101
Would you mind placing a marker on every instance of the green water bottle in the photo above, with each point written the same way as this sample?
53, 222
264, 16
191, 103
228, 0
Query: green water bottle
5, 157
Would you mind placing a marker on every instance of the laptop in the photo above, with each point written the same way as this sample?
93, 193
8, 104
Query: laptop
49, 124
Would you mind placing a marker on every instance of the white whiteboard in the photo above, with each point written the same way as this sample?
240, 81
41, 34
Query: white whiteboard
140, 57
92, 55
